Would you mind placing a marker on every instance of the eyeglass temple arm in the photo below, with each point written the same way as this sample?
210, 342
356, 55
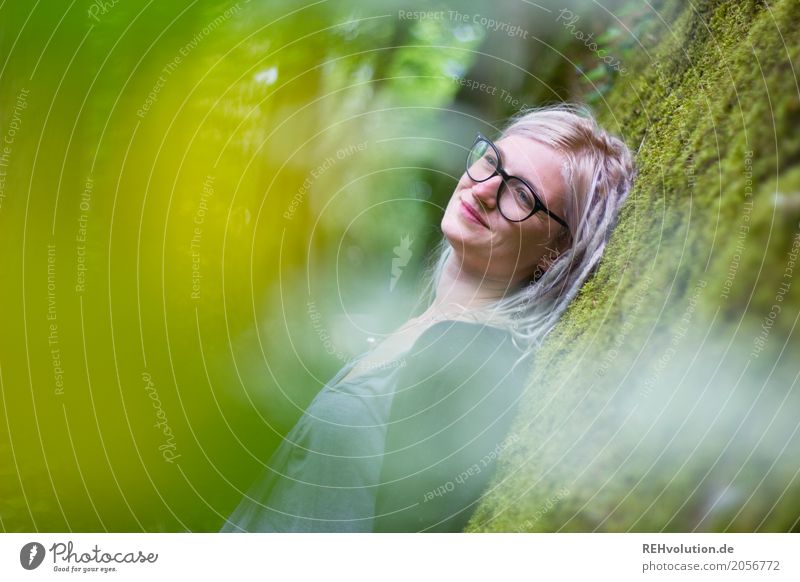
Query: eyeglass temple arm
556, 218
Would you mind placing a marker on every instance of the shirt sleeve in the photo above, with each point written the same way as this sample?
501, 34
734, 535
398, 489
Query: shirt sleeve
449, 421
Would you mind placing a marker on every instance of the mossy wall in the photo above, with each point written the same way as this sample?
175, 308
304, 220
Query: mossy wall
666, 398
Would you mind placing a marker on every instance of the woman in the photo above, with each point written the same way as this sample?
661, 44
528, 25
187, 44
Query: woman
406, 436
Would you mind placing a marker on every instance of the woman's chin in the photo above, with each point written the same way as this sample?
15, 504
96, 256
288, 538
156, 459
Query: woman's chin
457, 235
458, 231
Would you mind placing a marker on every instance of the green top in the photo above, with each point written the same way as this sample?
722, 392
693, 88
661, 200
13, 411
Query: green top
403, 448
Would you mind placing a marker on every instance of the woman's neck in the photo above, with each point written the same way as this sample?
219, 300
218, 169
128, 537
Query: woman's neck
459, 291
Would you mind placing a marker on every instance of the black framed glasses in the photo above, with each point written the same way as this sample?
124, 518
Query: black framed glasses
516, 199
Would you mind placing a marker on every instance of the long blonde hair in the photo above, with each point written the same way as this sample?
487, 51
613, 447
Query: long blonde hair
599, 173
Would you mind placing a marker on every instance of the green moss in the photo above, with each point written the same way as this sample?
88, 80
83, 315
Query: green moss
652, 407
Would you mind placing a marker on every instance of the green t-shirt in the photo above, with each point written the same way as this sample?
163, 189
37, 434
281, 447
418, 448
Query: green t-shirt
407, 447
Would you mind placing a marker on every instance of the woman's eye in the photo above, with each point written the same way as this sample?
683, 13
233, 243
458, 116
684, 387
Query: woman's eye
524, 198
491, 161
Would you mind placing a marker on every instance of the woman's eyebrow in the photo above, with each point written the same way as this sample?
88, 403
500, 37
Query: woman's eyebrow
533, 183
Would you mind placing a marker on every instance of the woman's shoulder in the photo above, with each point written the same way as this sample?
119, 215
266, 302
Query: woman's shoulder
460, 360
456, 338
453, 404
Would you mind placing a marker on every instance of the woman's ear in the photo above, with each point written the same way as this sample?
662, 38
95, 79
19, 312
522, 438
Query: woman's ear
548, 258
552, 252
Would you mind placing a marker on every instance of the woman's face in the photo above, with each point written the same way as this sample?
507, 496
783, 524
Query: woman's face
492, 248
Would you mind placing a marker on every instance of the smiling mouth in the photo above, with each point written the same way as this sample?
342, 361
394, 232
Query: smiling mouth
472, 214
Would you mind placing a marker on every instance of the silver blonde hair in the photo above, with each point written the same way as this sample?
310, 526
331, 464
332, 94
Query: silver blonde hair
599, 173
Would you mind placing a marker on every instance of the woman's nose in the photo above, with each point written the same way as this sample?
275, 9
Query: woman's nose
486, 192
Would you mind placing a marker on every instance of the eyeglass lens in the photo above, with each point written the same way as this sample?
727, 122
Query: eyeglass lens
515, 200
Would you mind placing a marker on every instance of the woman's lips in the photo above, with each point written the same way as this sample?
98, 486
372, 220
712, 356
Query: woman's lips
472, 214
